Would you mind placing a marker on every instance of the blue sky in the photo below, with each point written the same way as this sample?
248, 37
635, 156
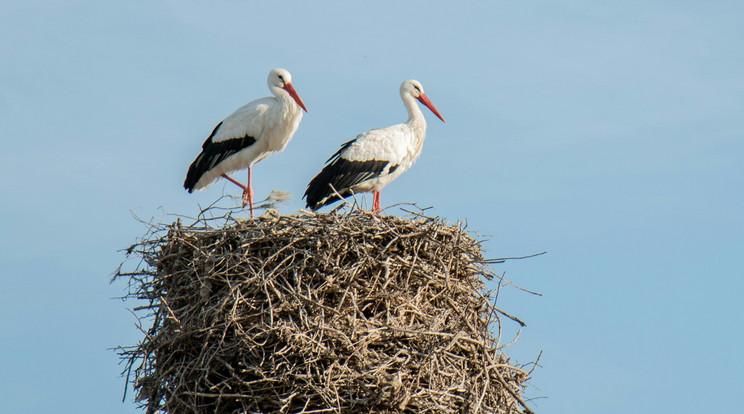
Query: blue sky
607, 133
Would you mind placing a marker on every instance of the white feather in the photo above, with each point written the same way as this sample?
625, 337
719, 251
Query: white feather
271, 121
359, 166
396, 144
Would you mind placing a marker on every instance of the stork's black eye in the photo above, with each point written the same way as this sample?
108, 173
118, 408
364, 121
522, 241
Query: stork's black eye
417, 88
281, 78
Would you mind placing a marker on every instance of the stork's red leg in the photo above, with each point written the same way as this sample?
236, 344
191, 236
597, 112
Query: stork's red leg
376, 202
248, 192
234, 181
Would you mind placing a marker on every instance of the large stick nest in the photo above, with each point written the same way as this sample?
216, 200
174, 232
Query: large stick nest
317, 313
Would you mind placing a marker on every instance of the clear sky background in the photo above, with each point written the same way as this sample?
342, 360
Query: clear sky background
610, 134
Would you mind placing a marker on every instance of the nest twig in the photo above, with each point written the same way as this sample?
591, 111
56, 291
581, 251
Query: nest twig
337, 313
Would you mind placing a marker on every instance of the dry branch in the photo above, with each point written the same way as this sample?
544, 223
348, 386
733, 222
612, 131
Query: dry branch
337, 313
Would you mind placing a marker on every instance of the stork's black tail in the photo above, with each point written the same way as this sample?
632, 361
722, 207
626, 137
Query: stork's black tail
212, 154
320, 191
341, 175
196, 170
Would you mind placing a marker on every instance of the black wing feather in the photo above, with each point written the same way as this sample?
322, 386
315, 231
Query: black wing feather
212, 154
209, 138
340, 174
343, 148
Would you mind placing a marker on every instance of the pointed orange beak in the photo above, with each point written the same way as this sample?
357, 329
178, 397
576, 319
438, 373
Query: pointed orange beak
425, 100
293, 93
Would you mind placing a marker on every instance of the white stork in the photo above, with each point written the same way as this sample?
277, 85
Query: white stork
248, 136
375, 158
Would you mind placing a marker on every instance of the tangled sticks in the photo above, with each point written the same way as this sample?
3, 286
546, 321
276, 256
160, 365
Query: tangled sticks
318, 313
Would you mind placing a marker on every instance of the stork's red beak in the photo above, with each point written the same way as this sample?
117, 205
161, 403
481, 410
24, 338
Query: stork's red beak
293, 93
425, 100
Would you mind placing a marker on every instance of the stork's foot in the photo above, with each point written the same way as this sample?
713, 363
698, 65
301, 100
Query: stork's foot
371, 212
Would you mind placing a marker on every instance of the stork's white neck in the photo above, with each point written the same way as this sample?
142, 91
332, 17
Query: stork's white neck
282, 96
417, 124
287, 105
416, 119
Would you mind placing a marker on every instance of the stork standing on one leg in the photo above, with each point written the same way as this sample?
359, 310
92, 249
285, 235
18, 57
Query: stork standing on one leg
248, 136
375, 158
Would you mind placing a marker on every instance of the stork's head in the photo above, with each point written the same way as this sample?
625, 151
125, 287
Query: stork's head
415, 89
280, 82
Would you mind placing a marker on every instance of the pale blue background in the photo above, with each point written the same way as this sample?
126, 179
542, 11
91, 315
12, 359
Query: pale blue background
608, 133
